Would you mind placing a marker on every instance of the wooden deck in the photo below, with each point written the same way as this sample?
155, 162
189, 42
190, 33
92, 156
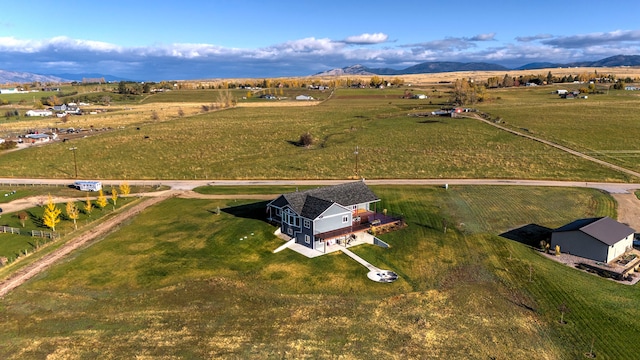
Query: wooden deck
367, 220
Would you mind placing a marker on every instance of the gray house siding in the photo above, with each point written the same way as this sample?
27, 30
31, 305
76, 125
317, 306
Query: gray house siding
332, 219
580, 244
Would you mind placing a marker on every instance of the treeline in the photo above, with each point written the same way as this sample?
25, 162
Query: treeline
510, 81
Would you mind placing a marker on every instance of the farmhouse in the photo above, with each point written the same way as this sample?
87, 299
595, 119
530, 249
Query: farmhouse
600, 239
88, 185
327, 216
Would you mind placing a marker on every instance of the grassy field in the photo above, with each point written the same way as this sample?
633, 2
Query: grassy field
246, 143
181, 281
14, 245
604, 125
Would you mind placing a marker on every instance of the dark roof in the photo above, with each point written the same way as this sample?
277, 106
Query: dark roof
604, 229
311, 203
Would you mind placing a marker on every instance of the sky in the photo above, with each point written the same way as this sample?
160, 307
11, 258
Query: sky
203, 39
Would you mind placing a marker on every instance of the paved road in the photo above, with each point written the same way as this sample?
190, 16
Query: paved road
192, 184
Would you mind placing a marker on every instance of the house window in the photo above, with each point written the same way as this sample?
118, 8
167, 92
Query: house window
345, 219
307, 239
278, 212
291, 219
307, 224
354, 207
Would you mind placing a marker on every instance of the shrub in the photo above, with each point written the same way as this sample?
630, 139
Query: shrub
306, 139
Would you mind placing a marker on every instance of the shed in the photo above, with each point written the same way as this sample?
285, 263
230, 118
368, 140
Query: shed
601, 239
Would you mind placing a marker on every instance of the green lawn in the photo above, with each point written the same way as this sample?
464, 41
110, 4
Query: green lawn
12, 246
181, 281
260, 143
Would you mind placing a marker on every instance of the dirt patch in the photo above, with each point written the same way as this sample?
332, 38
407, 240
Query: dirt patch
628, 210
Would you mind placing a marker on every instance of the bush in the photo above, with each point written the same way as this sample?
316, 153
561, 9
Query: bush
306, 139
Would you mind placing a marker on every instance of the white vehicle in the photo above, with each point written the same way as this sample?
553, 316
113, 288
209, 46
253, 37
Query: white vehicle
88, 185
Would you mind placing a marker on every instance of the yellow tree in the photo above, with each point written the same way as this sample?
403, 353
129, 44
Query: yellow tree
88, 206
73, 213
101, 201
125, 189
51, 214
114, 196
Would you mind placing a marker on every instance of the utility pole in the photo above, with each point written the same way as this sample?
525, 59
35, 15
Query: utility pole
356, 153
75, 162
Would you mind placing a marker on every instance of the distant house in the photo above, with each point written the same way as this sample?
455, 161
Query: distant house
317, 218
561, 92
38, 113
57, 108
600, 239
268, 97
88, 185
12, 91
41, 137
632, 88
420, 96
304, 97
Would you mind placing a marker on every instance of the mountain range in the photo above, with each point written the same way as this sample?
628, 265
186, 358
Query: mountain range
8, 77
422, 68
450, 66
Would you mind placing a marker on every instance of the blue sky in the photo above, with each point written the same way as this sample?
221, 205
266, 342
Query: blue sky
189, 39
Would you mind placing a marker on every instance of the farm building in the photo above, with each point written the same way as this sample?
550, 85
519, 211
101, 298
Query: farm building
304, 97
38, 113
632, 88
88, 185
325, 216
41, 137
600, 239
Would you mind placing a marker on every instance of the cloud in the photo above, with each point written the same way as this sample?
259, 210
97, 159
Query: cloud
533, 38
366, 39
297, 57
451, 44
483, 37
588, 40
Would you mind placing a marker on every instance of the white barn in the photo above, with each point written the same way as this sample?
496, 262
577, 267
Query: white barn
601, 239
39, 113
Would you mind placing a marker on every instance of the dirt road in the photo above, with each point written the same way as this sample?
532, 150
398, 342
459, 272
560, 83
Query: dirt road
100, 230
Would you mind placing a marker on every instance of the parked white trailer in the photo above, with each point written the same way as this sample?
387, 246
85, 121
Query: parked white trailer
88, 185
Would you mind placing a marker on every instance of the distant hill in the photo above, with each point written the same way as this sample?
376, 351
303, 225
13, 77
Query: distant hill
449, 66
79, 77
539, 65
27, 77
612, 61
423, 68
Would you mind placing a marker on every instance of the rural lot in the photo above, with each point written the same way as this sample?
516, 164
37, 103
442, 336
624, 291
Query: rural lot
194, 275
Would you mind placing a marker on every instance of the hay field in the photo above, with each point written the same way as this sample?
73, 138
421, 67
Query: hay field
431, 79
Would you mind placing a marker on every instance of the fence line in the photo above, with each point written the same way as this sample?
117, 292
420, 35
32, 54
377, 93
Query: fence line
8, 229
44, 234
